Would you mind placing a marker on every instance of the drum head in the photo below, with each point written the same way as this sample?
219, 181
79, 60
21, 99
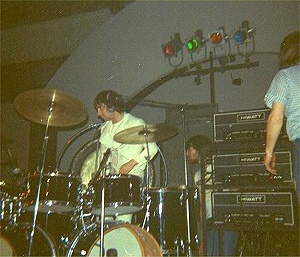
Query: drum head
133, 241
6, 248
119, 240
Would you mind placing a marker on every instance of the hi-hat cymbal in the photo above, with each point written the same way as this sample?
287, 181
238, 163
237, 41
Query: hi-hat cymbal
141, 134
37, 105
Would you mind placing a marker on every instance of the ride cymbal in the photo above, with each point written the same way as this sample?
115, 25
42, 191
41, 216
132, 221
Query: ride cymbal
141, 134
50, 106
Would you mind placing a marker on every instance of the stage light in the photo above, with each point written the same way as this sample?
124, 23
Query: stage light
171, 48
243, 34
217, 37
240, 36
194, 44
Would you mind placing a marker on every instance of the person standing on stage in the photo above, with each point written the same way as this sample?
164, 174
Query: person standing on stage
229, 237
124, 159
283, 97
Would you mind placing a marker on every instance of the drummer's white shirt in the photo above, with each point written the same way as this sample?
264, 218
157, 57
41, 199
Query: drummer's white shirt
120, 153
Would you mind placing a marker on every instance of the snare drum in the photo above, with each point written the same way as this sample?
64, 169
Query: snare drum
58, 193
119, 240
123, 195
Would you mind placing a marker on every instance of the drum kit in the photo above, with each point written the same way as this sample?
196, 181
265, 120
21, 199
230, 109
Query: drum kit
55, 216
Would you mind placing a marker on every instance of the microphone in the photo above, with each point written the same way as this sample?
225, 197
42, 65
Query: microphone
98, 131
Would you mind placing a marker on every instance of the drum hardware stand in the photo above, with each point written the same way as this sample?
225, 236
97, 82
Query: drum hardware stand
40, 172
101, 175
101, 252
147, 176
102, 215
186, 184
148, 198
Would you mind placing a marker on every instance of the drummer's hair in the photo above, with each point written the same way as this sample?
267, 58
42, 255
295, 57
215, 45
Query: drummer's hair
112, 100
198, 142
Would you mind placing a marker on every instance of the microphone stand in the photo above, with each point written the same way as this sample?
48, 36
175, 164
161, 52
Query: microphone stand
40, 172
101, 252
186, 185
101, 175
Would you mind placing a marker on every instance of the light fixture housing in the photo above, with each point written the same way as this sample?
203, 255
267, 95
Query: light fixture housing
172, 48
194, 43
243, 34
217, 37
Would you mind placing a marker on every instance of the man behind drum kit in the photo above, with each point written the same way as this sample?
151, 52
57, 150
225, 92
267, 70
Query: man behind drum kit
125, 159
230, 238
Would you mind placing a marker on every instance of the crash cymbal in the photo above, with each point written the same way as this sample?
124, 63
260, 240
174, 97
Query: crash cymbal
35, 106
155, 133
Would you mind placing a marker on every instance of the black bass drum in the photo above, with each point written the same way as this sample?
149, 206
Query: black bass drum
14, 241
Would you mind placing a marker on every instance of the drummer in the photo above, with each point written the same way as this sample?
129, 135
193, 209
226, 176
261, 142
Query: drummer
124, 159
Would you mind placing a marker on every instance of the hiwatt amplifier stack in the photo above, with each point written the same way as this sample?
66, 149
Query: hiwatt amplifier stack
244, 192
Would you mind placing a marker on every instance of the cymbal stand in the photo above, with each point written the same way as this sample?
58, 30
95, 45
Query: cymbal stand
186, 184
102, 169
40, 172
148, 200
100, 174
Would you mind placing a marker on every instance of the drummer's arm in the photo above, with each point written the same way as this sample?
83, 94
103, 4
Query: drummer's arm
142, 158
128, 166
139, 159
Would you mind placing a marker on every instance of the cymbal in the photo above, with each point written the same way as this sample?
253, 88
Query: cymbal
137, 135
35, 106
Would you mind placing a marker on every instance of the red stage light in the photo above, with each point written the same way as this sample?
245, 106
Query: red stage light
216, 37
169, 50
